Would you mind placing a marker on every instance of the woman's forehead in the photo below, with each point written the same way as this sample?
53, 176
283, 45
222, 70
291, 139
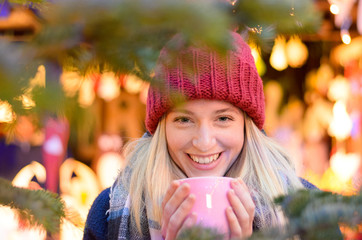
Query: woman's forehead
204, 105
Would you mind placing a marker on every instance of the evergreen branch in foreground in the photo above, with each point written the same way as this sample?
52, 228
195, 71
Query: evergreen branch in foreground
315, 215
34, 207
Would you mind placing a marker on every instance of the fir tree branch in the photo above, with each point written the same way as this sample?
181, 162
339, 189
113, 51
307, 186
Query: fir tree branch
314, 214
35, 207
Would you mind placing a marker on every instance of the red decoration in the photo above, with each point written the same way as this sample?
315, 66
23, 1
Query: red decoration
54, 149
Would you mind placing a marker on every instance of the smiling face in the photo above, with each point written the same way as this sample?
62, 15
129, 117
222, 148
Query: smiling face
204, 137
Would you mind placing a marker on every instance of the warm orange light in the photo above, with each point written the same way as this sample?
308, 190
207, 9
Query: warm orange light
346, 38
133, 84
296, 51
108, 166
27, 173
339, 89
109, 88
278, 58
345, 165
334, 9
6, 112
86, 93
28, 103
341, 124
71, 82
260, 65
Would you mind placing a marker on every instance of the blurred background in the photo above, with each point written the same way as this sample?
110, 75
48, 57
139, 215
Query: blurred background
313, 92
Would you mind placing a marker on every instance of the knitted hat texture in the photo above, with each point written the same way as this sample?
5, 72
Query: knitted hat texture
200, 73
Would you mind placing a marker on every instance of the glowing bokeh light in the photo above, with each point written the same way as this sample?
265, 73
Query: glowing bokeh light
334, 9
341, 124
6, 112
346, 38
278, 58
345, 165
296, 52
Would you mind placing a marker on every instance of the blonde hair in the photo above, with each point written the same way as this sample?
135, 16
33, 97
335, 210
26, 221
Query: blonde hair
263, 165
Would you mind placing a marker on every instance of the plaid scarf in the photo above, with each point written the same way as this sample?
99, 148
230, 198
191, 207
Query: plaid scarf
120, 225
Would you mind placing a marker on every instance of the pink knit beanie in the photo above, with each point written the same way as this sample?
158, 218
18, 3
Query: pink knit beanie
199, 73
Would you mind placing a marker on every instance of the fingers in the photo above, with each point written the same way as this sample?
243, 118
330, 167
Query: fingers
170, 191
235, 228
176, 206
177, 219
245, 197
189, 222
243, 209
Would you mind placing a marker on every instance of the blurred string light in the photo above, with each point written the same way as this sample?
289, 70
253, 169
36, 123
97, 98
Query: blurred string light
6, 112
108, 88
71, 82
133, 84
342, 10
296, 52
260, 65
86, 94
334, 9
278, 58
341, 125
346, 37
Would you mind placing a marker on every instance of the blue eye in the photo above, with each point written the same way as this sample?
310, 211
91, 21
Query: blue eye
182, 120
224, 119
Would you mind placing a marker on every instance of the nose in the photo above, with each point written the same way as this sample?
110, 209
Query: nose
204, 139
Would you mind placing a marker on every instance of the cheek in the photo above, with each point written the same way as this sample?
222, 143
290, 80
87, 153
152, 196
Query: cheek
234, 139
175, 140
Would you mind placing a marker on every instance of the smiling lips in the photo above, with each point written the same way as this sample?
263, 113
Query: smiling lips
204, 159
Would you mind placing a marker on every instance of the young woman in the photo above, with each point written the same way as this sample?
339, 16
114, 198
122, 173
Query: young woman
206, 120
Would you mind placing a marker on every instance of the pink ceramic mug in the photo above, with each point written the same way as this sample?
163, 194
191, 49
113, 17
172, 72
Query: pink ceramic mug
211, 201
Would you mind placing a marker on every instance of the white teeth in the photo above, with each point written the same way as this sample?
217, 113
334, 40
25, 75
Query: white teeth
205, 160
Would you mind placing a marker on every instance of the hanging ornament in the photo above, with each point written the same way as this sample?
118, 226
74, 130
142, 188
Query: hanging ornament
278, 58
54, 150
296, 51
24, 177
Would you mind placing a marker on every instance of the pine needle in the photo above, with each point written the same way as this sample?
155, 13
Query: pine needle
35, 208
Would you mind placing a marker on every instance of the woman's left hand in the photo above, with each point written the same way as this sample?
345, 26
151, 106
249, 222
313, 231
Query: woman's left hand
241, 213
